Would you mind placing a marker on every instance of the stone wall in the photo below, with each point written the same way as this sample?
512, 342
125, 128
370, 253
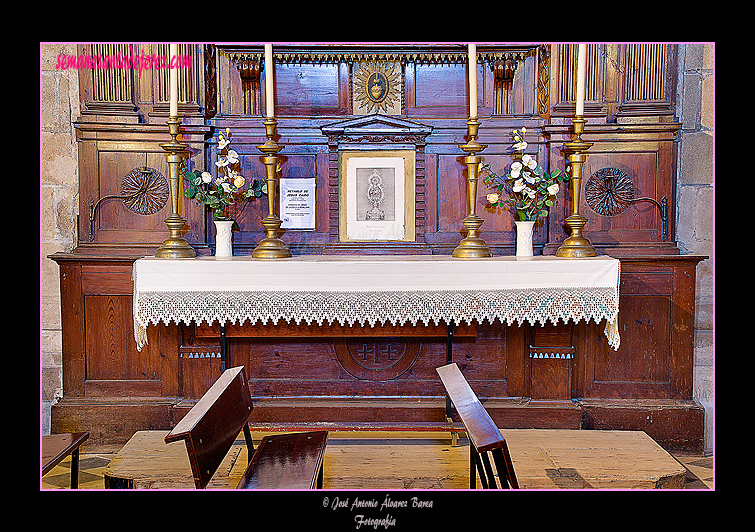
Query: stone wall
694, 196
59, 186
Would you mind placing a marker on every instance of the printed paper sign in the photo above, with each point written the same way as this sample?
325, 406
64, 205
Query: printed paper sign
297, 203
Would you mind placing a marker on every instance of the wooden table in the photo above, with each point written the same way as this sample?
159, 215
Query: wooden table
57, 446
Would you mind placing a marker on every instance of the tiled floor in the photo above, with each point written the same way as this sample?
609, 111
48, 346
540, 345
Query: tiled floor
699, 472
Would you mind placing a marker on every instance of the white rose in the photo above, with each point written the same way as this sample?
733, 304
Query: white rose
516, 168
206, 177
493, 198
553, 189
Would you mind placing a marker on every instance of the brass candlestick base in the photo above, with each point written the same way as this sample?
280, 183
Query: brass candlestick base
576, 245
271, 247
472, 247
175, 246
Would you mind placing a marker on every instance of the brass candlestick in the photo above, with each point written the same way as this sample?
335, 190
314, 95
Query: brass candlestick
175, 246
271, 247
472, 247
576, 245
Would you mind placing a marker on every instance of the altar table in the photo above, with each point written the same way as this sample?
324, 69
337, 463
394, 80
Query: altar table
376, 290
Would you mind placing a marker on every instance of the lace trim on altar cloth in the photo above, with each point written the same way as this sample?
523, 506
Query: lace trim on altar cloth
380, 307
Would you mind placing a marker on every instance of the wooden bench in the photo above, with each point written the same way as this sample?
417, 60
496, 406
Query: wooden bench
56, 447
286, 461
484, 436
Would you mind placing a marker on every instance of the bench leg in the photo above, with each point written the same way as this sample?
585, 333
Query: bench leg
476, 465
75, 469
503, 474
472, 467
320, 475
489, 470
505, 468
249, 443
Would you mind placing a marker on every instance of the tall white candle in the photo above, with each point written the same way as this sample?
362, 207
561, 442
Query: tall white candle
173, 52
581, 75
472, 52
269, 81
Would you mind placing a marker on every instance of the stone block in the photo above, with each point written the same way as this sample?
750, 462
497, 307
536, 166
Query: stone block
697, 159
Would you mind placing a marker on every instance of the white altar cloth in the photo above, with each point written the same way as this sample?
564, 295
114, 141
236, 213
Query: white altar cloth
376, 289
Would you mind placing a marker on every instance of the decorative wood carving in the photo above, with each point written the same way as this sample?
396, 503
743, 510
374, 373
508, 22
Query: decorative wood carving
609, 191
503, 74
249, 70
543, 80
648, 79
377, 359
377, 88
210, 81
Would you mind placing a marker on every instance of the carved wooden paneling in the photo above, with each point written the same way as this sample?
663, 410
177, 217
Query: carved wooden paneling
644, 153
111, 84
137, 86
648, 86
109, 155
187, 77
653, 322
630, 106
621, 80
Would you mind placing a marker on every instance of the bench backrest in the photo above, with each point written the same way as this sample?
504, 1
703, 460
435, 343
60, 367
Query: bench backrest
480, 427
212, 425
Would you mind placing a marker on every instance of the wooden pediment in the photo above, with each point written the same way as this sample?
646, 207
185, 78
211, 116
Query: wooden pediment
376, 128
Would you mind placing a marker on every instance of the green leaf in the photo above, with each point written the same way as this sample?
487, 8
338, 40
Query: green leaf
189, 193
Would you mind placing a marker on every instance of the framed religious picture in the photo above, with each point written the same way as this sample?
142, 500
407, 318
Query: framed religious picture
377, 196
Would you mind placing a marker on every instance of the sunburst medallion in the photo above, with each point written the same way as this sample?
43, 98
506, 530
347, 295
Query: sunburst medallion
377, 88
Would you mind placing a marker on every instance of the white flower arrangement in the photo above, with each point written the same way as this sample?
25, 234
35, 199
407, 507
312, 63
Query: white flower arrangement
223, 194
525, 187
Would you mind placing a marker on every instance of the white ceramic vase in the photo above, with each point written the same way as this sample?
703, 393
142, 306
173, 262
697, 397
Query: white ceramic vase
524, 238
223, 239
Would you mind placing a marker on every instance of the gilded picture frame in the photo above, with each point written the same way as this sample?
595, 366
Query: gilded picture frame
377, 196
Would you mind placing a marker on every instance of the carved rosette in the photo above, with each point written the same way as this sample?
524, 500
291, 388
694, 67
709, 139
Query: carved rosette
377, 359
609, 191
145, 190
